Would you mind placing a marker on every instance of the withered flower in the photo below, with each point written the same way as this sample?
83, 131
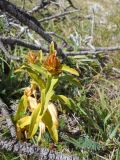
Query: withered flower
52, 64
28, 91
33, 57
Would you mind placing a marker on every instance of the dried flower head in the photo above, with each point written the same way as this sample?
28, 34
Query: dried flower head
52, 64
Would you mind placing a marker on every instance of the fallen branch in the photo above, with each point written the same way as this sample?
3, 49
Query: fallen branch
84, 51
34, 150
13, 41
105, 49
6, 114
25, 18
57, 15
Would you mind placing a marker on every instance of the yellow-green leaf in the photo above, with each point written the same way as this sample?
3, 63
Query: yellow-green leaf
51, 82
54, 133
22, 106
35, 119
51, 121
48, 83
38, 68
49, 93
52, 49
42, 101
70, 70
41, 56
24, 121
53, 112
37, 79
20, 69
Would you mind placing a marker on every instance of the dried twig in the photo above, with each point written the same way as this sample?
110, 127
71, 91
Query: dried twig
81, 18
60, 37
97, 50
107, 49
6, 114
42, 5
57, 15
71, 4
116, 70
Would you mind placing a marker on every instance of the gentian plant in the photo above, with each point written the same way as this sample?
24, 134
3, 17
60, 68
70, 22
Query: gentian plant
36, 110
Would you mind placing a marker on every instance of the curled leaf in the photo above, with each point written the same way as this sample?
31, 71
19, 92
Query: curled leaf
51, 121
67, 101
41, 130
25, 121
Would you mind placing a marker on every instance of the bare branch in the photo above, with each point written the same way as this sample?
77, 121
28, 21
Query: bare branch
58, 15
97, 50
106, 49
58, 36
13, 41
